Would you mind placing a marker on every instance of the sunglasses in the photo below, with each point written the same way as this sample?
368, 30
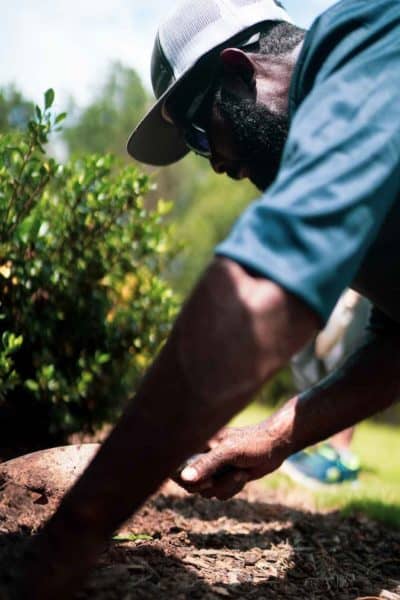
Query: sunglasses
191, 116
196, 139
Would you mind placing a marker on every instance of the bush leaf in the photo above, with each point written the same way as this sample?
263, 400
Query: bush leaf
49, 98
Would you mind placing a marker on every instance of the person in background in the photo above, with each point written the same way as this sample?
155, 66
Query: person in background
330, 463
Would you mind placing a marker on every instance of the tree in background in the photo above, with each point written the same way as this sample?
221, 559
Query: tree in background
104, 125
15, 110
204, 220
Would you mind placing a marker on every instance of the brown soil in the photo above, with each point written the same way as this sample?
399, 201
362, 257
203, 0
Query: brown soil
260, 545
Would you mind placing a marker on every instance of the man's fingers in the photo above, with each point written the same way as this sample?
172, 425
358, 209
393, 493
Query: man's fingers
196, 488
227, 485
205, 466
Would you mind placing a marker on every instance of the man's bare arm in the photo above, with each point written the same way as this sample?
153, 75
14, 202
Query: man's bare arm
232, 335
368, 383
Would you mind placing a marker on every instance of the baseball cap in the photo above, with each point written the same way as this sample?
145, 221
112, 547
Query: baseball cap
194, 31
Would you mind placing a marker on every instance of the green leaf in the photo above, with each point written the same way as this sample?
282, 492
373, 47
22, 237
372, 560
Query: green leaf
132, 537
5, 338
15, 341
103, 358
60, 118
49, 98
38, 113
32, 385
164, 207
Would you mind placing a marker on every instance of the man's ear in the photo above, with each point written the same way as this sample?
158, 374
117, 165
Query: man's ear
238, 64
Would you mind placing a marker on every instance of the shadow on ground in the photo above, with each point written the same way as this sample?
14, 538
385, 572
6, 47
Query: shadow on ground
250, 547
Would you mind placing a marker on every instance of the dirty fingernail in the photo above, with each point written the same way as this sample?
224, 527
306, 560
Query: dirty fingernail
189, 474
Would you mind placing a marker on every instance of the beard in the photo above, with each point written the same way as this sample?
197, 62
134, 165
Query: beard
259, 136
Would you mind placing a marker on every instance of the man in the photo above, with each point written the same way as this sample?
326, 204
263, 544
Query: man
330, 219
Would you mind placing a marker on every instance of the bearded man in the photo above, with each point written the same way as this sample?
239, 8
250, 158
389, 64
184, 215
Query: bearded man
313, 120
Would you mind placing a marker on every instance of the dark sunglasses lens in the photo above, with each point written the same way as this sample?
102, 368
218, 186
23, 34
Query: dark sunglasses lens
196, 139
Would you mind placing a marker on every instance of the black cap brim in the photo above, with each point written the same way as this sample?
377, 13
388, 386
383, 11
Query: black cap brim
155, 141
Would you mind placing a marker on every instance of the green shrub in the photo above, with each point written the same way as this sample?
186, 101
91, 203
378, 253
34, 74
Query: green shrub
83, 305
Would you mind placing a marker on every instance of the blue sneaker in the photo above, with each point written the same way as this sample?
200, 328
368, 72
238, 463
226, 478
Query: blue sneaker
322, 467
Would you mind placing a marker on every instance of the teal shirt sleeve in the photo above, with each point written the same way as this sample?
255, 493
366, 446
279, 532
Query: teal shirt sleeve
340, 173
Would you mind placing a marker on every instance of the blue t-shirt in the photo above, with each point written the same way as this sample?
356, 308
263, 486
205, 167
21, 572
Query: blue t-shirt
332, 217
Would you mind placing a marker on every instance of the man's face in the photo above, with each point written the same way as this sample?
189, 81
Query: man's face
244, 116
246, 138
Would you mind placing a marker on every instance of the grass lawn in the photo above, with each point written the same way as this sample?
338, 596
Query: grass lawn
378, 493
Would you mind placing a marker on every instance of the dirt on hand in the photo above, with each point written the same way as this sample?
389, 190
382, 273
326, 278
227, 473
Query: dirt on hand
260, 545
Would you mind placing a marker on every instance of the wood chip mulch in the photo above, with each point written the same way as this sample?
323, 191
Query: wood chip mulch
260, 545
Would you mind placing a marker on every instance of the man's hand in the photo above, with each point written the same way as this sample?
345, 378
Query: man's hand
237, 455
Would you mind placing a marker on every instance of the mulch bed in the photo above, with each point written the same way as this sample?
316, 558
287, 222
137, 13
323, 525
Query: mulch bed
260, 545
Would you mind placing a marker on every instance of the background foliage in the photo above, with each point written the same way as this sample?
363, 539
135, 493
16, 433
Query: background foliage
84, 307
15, 110
104, 125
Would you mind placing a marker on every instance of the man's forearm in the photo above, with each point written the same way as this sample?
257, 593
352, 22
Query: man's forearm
235, 332
367, 383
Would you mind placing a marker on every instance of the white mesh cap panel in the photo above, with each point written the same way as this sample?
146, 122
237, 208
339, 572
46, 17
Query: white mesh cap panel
187, 21
243, 2
197, 26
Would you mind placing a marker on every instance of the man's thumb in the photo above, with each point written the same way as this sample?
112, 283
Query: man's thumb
202, 466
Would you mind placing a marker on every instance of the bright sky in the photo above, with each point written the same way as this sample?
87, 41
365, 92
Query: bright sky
68, 44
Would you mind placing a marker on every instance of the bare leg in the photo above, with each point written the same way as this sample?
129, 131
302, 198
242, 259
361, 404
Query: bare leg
342, 440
